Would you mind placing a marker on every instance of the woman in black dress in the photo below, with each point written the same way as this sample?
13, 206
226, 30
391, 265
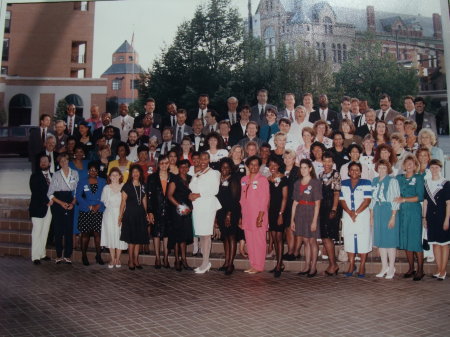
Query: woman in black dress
228, 216
158, 207
330, 211
436, 209
278, 185
133, 215
180, 230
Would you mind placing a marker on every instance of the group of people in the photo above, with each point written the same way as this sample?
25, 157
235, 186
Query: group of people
260, 177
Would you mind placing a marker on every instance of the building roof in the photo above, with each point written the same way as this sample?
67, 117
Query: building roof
125, 47
124, 68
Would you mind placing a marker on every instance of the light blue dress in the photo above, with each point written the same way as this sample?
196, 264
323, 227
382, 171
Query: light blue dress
382, 204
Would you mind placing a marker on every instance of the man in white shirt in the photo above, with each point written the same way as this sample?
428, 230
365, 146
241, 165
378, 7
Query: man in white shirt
289, 107
224, 131
50, 144
298, 124
346, 109
200, 112
124, 122
238, 130
369, 126
72, 121
386, 113
132, 143
197, 137
258, 111
232, 115
181, 129
308, 103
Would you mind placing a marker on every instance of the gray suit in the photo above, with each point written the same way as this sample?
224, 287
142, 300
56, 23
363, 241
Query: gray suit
256, 114
284, 114
429, 120
341, 117
389, 118
186, 132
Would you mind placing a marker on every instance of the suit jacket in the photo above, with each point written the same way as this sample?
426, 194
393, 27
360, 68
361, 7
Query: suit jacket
255, 114
55, 163
35, 143
78, 120
340, 117
156, 120
165, 121
362, 131
207, 129
201, 144
186, 132
153, 133
429, 121
284, 114
243, 142
114, 144
117, 122
358, 119
332, 118
173, 146
225, 117
98, 132
193, 114
389, 118
86, 198
39, 200
236, 133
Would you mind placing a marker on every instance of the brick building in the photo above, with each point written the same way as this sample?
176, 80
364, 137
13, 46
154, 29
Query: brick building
122, 76
47, 57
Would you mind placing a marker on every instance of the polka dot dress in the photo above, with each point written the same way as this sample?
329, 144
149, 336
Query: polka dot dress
90, 221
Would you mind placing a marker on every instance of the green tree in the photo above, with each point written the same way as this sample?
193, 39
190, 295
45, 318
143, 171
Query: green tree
61, 110
369, 73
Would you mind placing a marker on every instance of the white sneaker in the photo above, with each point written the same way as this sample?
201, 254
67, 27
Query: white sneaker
59, 260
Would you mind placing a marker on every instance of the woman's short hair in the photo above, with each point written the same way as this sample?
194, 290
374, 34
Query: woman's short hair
115, 169
328, 154
387, 147
314, 145
385, 163
354, 146
220, 143
321, 122
411, 123
349, 123
125, 146
399, 138
251, 143
233, 148
354, 163
399, 118
94, 164
411, 157
310, 130
226, 160
428, 132
423, 149
61, 156
279, 135
277, 160
289, 153
252, 158
142, 148
204, 153
436, 162
183, 162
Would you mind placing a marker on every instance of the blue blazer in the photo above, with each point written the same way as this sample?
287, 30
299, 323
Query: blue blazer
90, 199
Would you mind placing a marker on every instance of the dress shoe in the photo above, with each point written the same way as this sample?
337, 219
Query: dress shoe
254, 272
303, 272
177, 266
430, 259
138, 266
185, 265
85, 260
46, 258
436, 275
230, 269
36, 262
59, 260
67, 260
361, 275
418, 277
118, 266
277, 273
202, 271
110, 266
333, 273
223, 268
99, 260
312, 275
441, 278
382, 273
390, 275
348, 274
131, 268
289, 257
409, 274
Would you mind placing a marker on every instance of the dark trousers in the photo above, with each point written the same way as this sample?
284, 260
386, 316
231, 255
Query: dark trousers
63, 225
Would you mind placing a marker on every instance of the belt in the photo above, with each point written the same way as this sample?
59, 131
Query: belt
303, 202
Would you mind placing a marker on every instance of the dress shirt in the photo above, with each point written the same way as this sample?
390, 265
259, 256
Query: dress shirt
173, 120
324, 113
380, 114
52, 161
261, 107
290, 114
410, 114
232, 117
70, 124
371, 127
346, 115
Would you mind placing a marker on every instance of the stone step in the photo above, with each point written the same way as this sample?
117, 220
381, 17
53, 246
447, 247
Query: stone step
8, 212
372, 266
14, 201
23, 225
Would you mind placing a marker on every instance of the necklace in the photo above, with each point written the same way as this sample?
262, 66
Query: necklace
139, 198
202, 172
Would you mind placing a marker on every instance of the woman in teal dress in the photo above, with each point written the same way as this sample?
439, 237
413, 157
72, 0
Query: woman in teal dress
410, 215
383, 217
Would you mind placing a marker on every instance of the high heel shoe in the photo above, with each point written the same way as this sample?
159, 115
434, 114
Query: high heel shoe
223, 268
185, 265
166, 264
85, 260
230, 269
333, 273
382, 273
177, 266
277, 273
409, 274
418, 277
348, 274
312, 275
99, 260
303, 272
441, 278
157, 264
138, 266
390, 276
202, 271
131, 268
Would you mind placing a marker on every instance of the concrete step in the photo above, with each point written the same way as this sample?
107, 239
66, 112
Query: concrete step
15, 201
23, 225
8, 212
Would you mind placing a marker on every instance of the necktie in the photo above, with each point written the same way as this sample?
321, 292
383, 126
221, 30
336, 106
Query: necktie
47, 178
179, 135
226, 141
322, 114
173, 120
212, 128
383, 115
261, 115
291, 117
151, 157
70, 126
166, 148
43, 135
123, 123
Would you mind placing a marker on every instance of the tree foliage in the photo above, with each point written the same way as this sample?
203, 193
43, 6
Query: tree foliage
368, 73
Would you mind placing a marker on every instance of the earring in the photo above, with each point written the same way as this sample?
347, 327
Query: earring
84, 156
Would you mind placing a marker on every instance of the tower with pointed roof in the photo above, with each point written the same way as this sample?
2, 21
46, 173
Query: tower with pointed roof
122, 76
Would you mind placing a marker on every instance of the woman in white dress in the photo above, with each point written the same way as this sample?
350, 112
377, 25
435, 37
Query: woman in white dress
355, 197
204, 186
111, 197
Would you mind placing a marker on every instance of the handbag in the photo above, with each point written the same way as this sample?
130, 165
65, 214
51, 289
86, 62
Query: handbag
342, 255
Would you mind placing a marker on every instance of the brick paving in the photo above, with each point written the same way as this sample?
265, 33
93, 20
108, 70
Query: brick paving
63, 300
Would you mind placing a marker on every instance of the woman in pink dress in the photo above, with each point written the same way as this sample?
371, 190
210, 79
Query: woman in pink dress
255, 198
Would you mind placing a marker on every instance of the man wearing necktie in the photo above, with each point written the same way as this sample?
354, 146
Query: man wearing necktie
231, 114
37, 138
224, 131
258, 111
200, 112
211, 122
289, 110
124, 122
73, 121
386, 113
181, 129
369, 126
346, 109
326, 114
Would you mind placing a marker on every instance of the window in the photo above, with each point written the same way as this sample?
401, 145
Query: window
82, 6
328, 24
344, 52
121, 58
339, 53
130, 58
321, 53
78, 52
333, 48
5, 55
116, 84
7, 21
134, 84
4, 71
269, 40
78, 73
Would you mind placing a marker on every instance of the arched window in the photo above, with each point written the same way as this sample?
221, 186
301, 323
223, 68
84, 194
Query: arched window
77, 101
328, 24
19, 111
269, 40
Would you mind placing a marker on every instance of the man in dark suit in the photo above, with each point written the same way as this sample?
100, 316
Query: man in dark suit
252, 130
37, 138
224, 132
346, 112
415, 111
258, 112
110, 140
386, 113
330, 116
238, 129
39, 209
289, 107
197, 137
170, 117
180, 130
167, 143
200, 112
212, 124
73, 121
231, 115
150, 106
106, 121
368, 126
49, 150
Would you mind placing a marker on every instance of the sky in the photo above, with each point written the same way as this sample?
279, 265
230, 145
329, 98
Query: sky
155, 22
